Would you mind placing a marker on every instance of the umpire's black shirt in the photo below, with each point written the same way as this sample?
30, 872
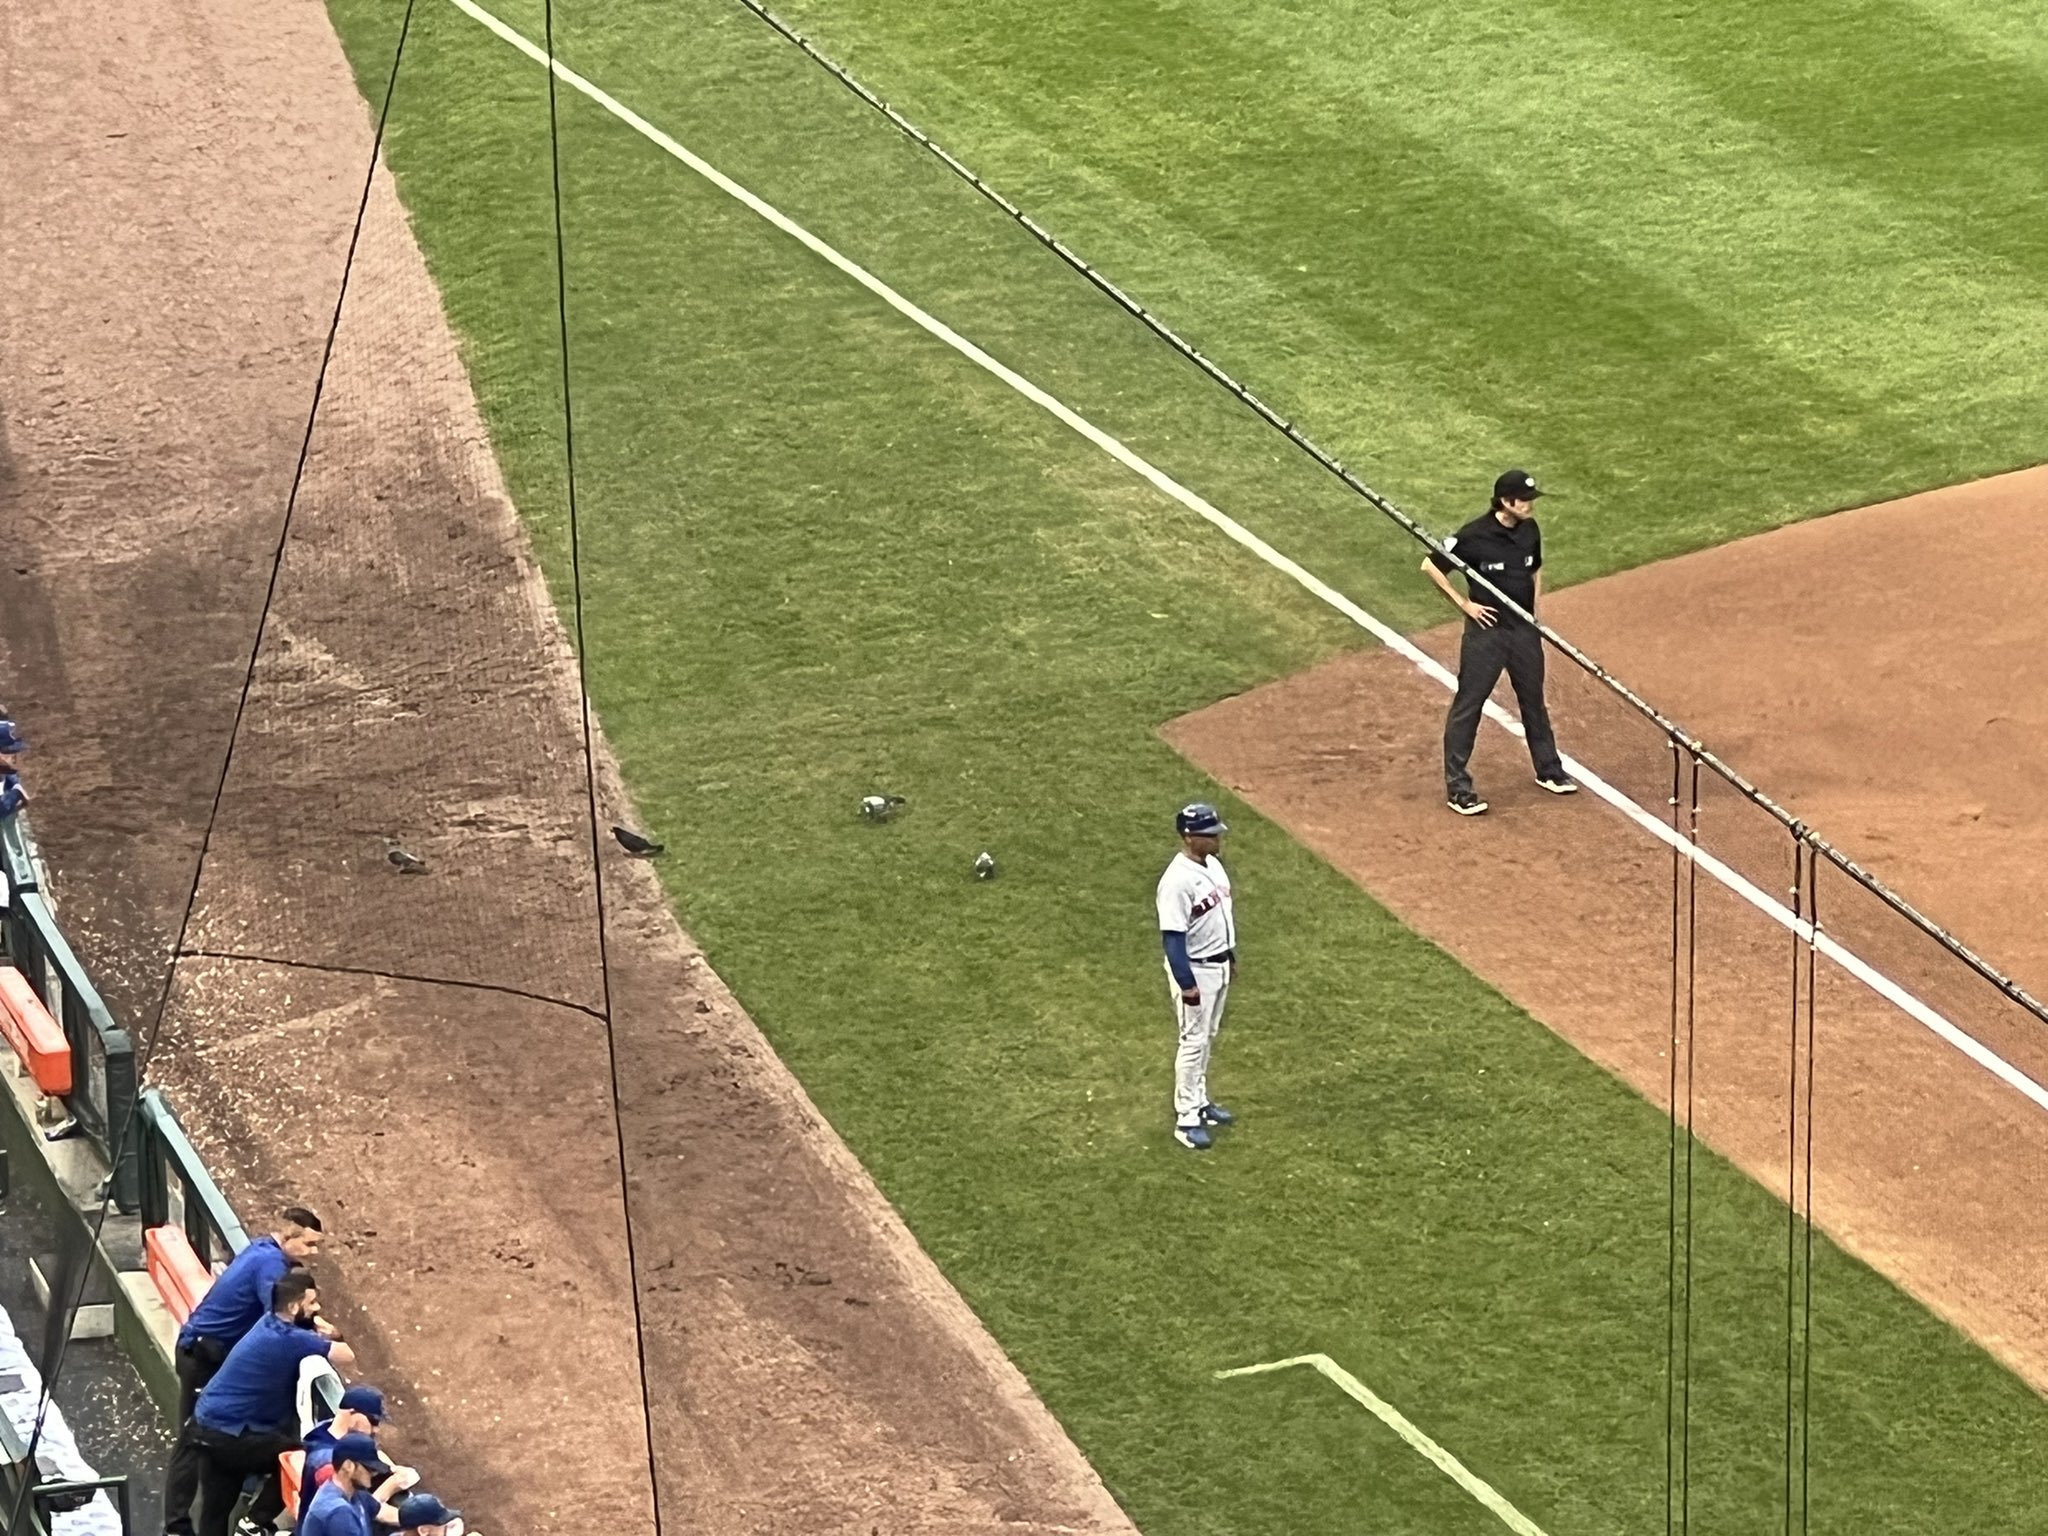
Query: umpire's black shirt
1507, 557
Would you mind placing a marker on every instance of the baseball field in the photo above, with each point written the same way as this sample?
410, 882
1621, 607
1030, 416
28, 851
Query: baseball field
1711, 272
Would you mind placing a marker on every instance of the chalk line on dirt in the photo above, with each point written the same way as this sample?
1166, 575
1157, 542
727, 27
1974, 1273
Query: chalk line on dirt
1909, 1004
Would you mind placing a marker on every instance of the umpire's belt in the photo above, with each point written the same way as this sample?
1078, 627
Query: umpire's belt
1227, 957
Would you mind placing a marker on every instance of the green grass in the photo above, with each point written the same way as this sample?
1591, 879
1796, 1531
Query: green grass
825, 555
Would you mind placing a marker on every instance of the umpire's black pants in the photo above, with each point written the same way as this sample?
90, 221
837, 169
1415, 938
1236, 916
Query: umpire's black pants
225, 1461
1484, 654
196, 1367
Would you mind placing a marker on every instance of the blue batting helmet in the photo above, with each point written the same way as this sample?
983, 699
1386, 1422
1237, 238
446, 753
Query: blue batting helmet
1198, 820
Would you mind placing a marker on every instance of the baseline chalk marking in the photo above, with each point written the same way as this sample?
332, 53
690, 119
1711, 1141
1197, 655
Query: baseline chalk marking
1400, 1424
1912, 1006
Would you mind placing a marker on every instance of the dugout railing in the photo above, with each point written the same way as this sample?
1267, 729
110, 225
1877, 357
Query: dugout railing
174, 1188
161, 1180
103, 1095
17, 863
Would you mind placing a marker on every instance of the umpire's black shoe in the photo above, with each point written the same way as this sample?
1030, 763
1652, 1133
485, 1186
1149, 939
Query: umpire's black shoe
1465, 803
1557, 783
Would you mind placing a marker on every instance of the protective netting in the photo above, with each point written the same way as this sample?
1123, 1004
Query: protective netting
1869, 1077
385, 712
1854, 1093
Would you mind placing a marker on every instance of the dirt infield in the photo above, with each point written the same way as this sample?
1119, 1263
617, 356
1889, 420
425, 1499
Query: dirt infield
1875, 672
421, 1058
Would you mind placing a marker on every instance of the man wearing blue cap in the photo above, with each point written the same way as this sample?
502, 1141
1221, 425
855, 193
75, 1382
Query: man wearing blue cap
337, 1509
361, 1412
236, 1302
12, 746
1198, 930
429, 1516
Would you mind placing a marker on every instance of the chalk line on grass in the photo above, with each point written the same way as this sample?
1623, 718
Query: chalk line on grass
1401, 1425
1912, 1006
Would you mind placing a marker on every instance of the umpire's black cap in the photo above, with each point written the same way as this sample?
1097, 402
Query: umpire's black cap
1516, 485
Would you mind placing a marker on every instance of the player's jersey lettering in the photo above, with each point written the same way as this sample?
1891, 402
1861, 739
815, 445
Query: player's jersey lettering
1194, 899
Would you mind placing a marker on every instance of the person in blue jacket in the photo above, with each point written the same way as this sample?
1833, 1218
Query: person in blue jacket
338, 1509
247, 1416
361, 1412
237, 1300
11, 747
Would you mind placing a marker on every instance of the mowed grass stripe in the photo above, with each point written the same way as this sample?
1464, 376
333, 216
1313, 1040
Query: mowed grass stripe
1889, 93
827, 555
1618, 150
2008, 29
1325, 178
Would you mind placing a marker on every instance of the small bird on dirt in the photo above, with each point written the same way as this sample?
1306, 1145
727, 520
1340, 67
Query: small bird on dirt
879, 807
405, 863
636, 845
985, 866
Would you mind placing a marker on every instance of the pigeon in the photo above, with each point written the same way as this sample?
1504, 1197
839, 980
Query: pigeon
404, 862
879, 807
985, 865
635, 844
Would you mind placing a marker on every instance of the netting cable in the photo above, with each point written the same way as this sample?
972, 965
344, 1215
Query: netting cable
69, 1304
1678, 1273
1671, 1182
1692, 944
1800, 859
1799, 1192
1806, 1321
417, 978
1394, 513
590, 762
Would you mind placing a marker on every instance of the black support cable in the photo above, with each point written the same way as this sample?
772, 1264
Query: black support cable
1671, 1179
328, 968
590, 761
1678, 1272
144, 1057
1806, 1324
1692, 944
1798, 893
1159, 328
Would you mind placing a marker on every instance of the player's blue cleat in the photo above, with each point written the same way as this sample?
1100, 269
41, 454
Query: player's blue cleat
1216, 1114
1192, 1136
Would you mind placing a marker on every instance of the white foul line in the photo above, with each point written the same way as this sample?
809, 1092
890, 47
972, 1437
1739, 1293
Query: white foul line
1399, 1423
1775, 910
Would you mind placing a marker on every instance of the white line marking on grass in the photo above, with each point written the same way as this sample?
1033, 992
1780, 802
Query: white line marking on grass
1879, 983
1399, 1423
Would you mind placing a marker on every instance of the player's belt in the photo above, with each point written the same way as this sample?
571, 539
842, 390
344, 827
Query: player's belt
1225, 957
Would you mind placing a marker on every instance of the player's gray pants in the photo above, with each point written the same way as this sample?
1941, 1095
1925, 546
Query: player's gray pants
1199, 1023
1483, 655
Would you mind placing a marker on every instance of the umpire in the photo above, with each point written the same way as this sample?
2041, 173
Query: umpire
1505, 547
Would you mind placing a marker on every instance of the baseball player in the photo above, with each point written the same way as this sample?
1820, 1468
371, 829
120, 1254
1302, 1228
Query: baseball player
1199, 932
1506, 547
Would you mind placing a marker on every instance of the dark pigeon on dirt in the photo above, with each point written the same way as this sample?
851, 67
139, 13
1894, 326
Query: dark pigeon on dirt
405, 863
635, 844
